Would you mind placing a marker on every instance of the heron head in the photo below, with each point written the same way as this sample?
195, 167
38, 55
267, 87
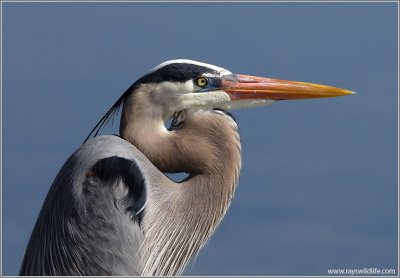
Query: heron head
182, 84
178, 85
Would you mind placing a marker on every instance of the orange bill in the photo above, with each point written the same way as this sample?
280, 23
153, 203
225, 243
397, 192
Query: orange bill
250, 87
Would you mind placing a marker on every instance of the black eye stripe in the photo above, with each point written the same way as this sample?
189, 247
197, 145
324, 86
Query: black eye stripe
177, 72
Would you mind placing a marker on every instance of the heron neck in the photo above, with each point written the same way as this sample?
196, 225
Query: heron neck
197, 204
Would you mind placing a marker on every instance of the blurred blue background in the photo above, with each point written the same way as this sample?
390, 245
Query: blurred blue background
318, 188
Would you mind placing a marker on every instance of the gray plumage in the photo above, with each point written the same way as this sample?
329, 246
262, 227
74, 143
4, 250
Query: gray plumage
85, 228
80, 230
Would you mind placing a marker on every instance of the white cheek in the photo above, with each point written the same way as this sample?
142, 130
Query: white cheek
188, 86
171, 87
203, 100
246, 103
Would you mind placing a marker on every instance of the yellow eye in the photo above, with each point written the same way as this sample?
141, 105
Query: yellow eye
201, 81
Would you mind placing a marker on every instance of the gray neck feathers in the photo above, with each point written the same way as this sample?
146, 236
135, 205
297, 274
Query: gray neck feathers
181, 217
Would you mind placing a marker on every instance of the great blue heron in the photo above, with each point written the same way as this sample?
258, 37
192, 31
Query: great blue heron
112, 211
